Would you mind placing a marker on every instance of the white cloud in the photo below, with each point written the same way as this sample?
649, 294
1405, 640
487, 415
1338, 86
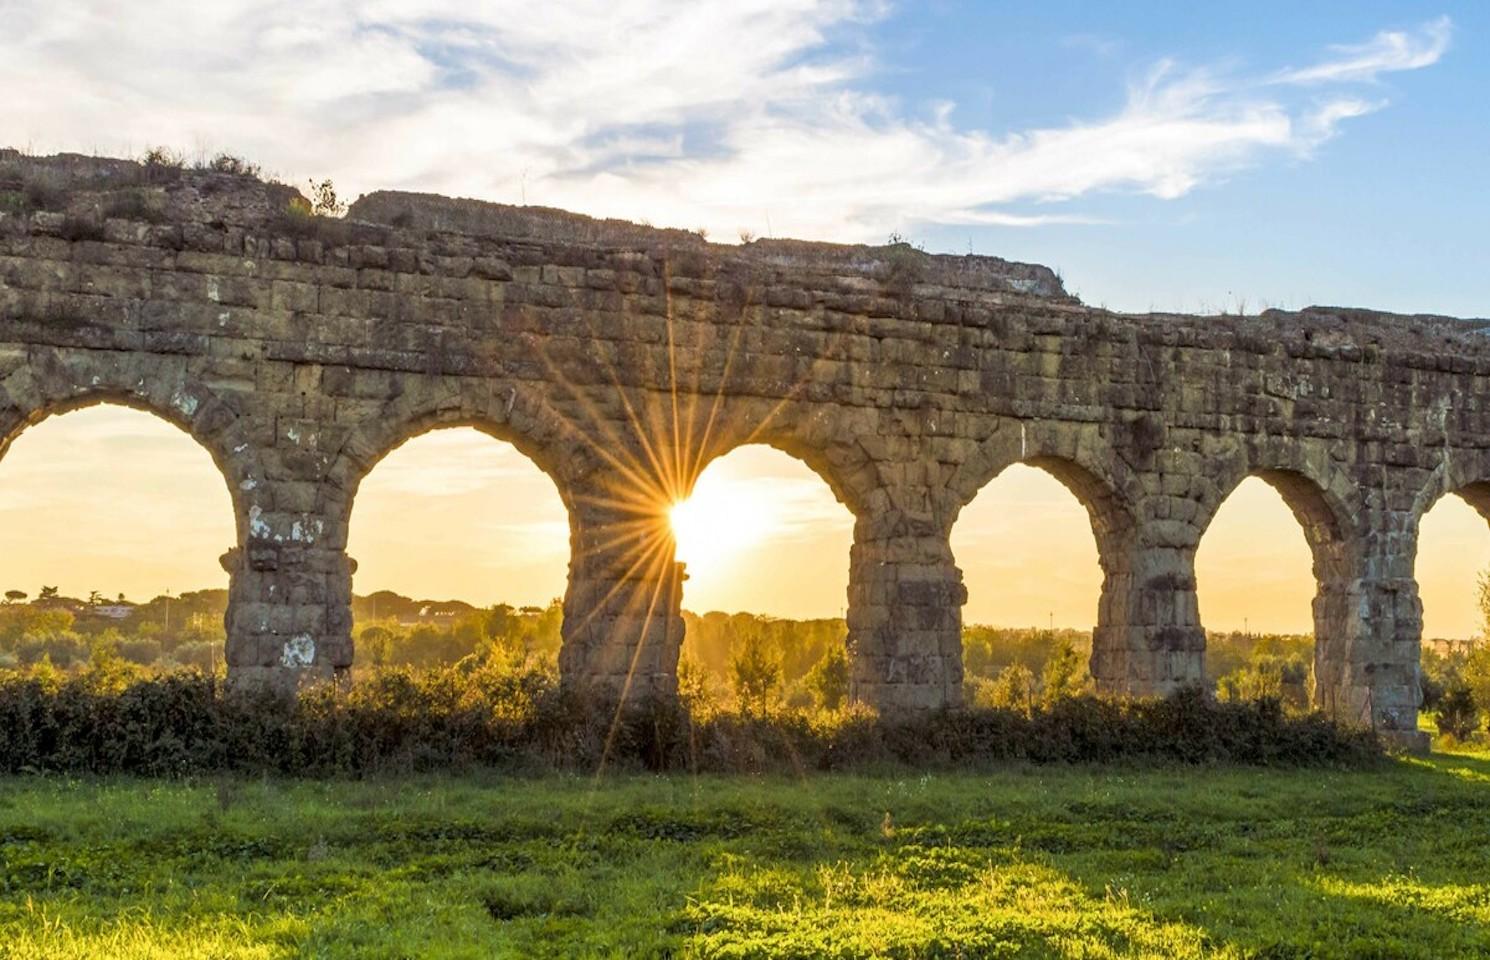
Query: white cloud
726, 114
1388, 51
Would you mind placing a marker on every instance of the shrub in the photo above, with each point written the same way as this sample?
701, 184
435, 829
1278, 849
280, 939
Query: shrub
111, 719
43, 193
1012, 689
78, 228
902, 265
237, 166
133, 205
323, 199
162, 165
1281, 678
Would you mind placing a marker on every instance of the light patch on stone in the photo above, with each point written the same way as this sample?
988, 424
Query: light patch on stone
213, 293
248, 484
299, 652
307, 531
185, 403
257, 525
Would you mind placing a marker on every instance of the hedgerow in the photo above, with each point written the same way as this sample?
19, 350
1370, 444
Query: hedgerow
463, 716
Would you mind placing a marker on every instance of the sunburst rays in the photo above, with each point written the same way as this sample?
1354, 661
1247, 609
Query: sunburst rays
650, 457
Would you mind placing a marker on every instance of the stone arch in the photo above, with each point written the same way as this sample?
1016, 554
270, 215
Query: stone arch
506, 413
842, 519
1094, 475
55, 383
822, 439
1466, 477
1319, 497
511, 413
1080, 461
1324, 501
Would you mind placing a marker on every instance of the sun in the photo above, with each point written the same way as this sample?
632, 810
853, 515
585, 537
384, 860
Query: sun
719, 522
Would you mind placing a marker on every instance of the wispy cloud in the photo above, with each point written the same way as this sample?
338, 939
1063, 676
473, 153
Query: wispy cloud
725, 114
1388, 51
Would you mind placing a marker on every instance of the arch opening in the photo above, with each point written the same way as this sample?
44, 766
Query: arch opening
1452, 571
1033, 546
462, 547
1270, 572
113, 522
765, 545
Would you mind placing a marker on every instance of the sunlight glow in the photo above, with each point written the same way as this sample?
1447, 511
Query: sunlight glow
762, 533
1027, 554
1453, 550
456, 514
115, 500
1253, 569
722, 518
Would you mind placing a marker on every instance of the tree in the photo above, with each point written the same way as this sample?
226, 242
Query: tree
1458, 714
47, 593
94, 598
693, 683
756, 675
1475, 672
1061, 677
1013, 689
14, 596
828, 679
374, 646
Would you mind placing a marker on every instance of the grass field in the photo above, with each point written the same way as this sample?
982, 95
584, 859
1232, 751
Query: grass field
1027, 862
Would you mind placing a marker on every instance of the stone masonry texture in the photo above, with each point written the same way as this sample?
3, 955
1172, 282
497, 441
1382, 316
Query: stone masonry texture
622, 359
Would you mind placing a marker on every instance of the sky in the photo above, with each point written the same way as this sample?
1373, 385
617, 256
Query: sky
1159, 155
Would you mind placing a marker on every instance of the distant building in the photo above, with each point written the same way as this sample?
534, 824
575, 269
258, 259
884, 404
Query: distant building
1448, 648
428, 614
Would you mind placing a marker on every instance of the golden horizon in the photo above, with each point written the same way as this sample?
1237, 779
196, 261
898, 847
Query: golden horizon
115, 500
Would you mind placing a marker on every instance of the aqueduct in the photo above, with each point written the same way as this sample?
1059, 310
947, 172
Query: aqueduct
622, 359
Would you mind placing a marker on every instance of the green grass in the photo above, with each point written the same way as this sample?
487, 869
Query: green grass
1026, 862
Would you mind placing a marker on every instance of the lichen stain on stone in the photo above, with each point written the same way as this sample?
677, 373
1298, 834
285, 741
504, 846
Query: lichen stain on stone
299, 652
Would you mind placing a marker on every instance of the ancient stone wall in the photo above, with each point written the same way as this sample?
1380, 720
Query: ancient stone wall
622, 360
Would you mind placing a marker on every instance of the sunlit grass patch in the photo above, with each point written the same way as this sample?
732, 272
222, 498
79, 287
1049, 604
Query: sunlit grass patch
142, 935
918, 907
1047, 861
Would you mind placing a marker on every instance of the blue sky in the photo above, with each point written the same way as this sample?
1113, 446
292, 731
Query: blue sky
1171, 156
1390, 213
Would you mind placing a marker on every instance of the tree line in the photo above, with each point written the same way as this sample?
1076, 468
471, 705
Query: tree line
746, 661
